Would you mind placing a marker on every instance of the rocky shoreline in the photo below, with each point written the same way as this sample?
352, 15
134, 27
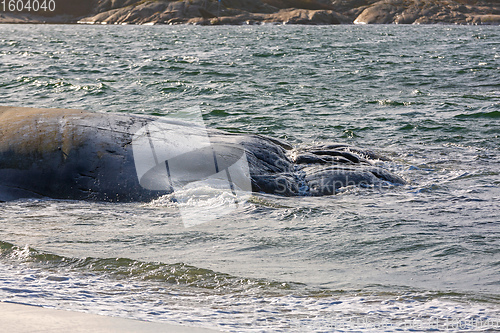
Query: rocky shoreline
239, 12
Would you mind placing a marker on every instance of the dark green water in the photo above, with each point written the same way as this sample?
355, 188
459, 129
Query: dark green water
425, 256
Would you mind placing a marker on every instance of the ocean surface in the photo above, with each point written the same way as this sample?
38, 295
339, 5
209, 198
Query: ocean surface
419, 257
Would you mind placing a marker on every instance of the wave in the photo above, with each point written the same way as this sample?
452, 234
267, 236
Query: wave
492, 114
178, 274
154, 291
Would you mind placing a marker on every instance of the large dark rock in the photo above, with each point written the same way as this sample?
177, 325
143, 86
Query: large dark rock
74, 154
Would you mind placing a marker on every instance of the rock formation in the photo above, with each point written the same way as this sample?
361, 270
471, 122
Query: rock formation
265, 11
428, 12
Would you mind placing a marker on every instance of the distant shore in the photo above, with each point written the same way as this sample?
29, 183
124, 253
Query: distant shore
242, 12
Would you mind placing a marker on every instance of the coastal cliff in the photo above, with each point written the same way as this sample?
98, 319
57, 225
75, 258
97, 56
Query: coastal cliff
236, 12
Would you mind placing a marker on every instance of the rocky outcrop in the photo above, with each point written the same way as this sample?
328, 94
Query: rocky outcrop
210, 12
428, 12
266, 11
101, 6
284, 16
306, 16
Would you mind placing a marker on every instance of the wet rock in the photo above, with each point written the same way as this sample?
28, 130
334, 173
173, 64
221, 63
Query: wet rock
80, 155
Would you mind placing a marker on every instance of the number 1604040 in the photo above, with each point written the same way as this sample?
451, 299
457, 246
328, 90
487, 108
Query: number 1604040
28, 5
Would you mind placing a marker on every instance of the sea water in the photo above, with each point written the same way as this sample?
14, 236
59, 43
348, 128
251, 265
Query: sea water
419, 257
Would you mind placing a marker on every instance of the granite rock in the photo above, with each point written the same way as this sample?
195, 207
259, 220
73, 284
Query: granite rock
268, 11
428, 12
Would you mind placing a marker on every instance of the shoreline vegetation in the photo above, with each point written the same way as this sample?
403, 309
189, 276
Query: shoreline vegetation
243, 12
